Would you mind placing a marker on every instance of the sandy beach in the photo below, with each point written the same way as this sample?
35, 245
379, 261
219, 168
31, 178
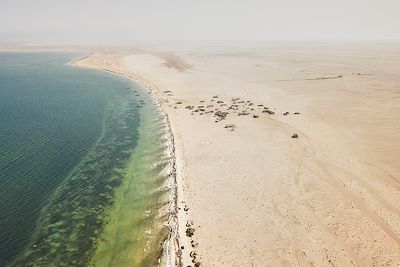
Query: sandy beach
286, 155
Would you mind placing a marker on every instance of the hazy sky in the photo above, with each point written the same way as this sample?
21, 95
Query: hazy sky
119, 21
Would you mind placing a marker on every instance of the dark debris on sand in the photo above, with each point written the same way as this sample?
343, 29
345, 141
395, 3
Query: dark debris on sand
222, 108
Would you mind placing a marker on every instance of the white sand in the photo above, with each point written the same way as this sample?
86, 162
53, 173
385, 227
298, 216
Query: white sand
256, 196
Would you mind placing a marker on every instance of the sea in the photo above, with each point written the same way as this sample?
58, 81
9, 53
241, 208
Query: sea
84, 165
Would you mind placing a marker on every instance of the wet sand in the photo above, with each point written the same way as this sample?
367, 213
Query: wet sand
249, 192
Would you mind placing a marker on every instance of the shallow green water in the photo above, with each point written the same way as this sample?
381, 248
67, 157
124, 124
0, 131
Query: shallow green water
135, 229
80, 158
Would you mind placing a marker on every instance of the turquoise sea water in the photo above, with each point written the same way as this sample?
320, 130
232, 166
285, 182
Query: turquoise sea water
67, 145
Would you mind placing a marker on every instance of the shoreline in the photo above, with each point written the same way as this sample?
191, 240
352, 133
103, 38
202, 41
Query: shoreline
297, 175
257, 194
171, 252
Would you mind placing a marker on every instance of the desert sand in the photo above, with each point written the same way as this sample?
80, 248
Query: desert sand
249, 193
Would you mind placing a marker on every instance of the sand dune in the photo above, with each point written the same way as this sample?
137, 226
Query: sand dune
257, 196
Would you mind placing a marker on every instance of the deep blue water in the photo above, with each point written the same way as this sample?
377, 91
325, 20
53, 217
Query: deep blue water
63, 132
